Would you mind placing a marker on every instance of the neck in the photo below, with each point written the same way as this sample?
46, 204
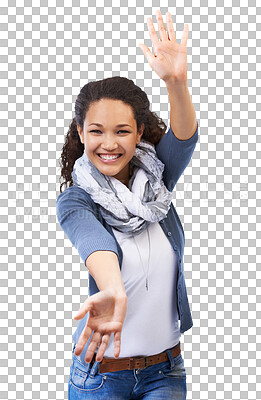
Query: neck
125, 175
125, 181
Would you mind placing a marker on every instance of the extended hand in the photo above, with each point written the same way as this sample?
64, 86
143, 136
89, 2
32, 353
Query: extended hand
107, 311
170, 58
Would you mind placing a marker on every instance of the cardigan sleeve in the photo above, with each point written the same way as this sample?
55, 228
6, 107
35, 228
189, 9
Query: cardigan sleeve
175, 155
76, 216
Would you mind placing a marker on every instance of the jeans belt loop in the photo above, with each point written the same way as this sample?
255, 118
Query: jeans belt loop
146, 362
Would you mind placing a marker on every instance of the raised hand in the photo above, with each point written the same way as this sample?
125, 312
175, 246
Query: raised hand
107, 311
170, 58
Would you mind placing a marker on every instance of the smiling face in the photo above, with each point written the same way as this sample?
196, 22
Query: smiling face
110, 136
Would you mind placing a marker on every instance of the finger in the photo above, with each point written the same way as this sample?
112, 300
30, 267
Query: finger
85, 307
117, 344
148, 54
153, 35
83, 339
102, 347
170, 27
184, 38
95, 340
161, 26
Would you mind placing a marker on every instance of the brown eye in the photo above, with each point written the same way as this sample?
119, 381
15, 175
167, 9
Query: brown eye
97, 130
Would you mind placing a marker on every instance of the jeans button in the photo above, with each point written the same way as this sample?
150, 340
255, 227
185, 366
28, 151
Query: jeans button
169, 233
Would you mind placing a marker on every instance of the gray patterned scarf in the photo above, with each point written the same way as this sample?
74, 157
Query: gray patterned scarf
128, 209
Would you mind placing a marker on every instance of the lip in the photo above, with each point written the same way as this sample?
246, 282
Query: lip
109, 161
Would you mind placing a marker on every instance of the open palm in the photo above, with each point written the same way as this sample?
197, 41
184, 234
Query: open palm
170, 58
107, 312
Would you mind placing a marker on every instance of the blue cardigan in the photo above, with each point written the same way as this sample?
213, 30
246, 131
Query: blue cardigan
83, 224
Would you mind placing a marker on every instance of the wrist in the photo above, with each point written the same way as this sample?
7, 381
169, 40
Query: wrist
117, 294
175, 83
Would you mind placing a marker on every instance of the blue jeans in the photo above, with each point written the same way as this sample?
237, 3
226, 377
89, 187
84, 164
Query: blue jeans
163, 381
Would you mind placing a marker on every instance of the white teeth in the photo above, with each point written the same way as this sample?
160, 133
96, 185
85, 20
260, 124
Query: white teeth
109, 157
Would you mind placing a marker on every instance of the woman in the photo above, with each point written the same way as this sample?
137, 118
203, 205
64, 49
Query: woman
122, 167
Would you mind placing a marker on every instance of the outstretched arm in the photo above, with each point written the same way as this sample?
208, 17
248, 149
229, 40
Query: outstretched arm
170, 64
97, 248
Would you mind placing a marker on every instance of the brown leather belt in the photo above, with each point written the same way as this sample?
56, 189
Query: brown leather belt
112, 364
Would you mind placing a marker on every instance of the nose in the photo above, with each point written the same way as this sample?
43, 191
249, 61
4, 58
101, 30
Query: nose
109, 142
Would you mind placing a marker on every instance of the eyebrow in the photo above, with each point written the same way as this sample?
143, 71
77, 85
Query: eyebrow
119, 125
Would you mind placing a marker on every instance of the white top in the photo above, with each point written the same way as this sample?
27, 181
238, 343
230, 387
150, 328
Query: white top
151, 324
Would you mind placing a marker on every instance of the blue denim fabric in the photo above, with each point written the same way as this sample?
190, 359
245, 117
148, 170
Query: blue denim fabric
163, 381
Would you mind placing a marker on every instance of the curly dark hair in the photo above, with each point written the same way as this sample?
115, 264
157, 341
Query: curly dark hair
117, 88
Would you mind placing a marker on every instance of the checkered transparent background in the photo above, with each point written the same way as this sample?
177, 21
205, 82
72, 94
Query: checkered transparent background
49, 50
